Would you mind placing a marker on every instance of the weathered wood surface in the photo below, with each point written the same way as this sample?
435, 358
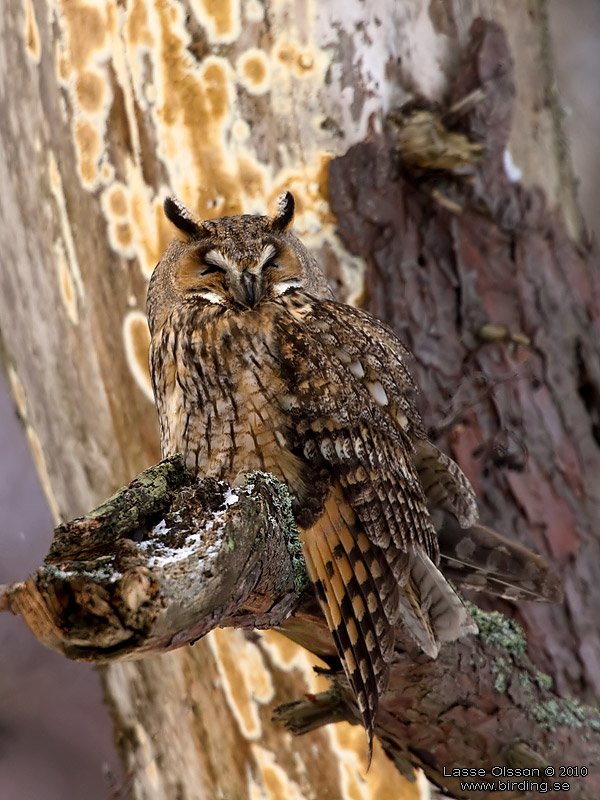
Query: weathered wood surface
106, 108
162, 563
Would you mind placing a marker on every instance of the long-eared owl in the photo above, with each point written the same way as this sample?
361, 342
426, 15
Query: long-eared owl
256, 367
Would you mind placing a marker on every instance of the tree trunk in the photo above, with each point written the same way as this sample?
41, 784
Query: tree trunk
110, 107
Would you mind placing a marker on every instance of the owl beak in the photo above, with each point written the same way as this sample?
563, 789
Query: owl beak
251, 289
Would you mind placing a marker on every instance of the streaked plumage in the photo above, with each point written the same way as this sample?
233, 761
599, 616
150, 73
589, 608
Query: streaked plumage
256, 367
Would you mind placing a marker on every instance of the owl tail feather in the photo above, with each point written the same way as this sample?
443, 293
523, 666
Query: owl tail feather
416, 620
446, 617
337, 561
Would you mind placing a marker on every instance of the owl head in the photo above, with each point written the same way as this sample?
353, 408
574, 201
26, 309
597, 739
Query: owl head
233, 263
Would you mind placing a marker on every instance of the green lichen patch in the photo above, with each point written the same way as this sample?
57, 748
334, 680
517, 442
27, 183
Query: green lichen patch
525, 681
566, 711
543, 681
148, 494
501, 668
497, 630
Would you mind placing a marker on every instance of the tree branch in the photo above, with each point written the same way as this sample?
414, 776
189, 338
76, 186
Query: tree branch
167, 559
162, 562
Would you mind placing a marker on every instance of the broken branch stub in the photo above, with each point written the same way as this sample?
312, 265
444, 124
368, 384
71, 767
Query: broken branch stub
159, 564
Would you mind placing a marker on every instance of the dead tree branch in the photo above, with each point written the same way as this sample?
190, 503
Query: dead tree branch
161, 563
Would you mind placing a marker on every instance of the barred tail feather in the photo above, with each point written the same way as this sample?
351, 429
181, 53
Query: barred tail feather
351, 649
338, 560
446, 612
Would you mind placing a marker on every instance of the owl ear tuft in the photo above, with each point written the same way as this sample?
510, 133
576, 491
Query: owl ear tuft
182, 218
284, 216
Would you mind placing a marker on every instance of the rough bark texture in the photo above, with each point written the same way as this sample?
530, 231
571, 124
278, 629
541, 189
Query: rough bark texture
163, 562
106, 108
167, 560
502, 313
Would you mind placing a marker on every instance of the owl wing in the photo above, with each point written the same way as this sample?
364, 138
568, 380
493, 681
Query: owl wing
445, 485
350, 400
471, 555
372, 553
